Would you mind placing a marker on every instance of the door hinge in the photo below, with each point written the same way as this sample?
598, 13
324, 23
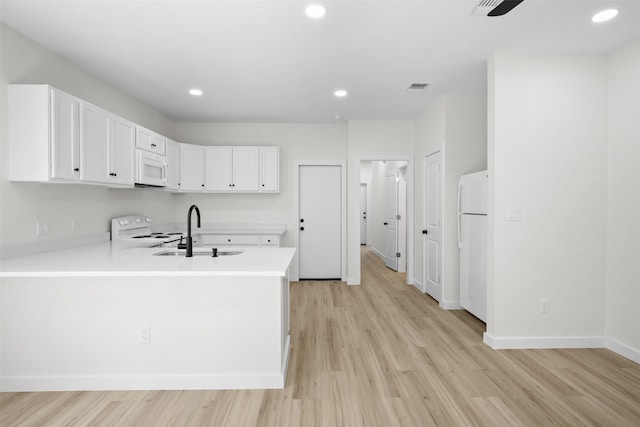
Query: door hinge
397, 254
397, 216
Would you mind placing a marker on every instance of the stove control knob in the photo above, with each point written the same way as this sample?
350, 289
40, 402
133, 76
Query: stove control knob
147, 219
138, 220
123, 222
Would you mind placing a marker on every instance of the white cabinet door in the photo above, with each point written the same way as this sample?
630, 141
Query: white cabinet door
270, 169
106, 147
245, 169
122, 144
173, 165
219, 169
150, 141
65, 147
94, 144
191, 167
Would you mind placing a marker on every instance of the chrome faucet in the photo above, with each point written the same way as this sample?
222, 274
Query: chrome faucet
189, 238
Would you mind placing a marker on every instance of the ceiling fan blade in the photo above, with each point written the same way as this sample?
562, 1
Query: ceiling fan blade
505, 7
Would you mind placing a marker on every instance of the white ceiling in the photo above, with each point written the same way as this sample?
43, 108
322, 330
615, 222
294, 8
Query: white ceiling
265, 61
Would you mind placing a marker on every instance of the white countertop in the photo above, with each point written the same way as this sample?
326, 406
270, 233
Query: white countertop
108, 260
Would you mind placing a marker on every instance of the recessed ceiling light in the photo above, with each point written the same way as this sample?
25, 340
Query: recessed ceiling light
195, 92
605, 15
315, 11
340, 93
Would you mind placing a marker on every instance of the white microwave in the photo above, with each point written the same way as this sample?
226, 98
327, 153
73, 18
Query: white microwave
151, 169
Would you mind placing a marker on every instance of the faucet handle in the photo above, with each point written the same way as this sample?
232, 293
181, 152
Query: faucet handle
182, 245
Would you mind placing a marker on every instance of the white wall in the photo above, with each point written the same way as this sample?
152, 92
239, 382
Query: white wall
372, 140
23, 61
298, 142
548, 156
623, 225
457, 126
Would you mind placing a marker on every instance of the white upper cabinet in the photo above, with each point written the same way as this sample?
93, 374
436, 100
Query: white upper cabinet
107, 147
173, 165
246, 164
150, 141
65, 153
122, 158
192, 168
219, 169
56, 137
232, 169
43, 134
270, 169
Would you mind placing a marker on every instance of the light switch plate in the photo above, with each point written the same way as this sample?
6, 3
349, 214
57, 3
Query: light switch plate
514, 213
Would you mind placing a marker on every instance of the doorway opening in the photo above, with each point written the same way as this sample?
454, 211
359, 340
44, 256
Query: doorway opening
385, 213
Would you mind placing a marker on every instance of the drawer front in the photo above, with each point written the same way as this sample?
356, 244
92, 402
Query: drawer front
270, 240
230, 239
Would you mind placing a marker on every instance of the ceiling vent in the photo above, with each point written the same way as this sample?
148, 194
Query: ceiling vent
494, 7
484, 7
417, 87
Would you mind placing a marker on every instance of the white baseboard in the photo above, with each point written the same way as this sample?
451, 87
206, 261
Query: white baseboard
149, 382
352, 281
623, 349
542, 342
450, 305
378, 253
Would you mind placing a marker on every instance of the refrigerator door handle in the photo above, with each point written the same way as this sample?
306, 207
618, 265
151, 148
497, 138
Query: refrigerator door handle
459, 219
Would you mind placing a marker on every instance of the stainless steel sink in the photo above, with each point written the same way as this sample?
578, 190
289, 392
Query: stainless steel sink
196, 252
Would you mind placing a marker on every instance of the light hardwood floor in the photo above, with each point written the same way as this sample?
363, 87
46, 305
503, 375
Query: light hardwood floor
380, 354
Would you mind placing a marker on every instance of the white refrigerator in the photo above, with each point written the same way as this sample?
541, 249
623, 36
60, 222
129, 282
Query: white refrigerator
472, 242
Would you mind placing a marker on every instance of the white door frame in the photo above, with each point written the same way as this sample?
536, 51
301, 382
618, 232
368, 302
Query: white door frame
363, 212
410, 211
295, 276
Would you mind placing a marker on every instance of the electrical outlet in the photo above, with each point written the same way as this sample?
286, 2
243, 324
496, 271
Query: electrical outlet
144, 335
42, 228
544, 305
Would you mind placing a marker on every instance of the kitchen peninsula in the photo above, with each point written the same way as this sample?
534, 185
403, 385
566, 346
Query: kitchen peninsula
98, 317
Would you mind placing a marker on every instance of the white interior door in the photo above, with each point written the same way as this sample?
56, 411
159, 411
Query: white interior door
391, 222
402, 219
363, 214
320, 235
432, 230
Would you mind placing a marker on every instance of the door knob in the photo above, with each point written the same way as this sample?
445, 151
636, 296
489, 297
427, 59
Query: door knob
425, 232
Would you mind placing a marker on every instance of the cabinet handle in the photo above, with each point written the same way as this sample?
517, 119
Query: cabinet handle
76, 169
263, 185
301, 228
425, 232
229, 240
202, 185
153, 145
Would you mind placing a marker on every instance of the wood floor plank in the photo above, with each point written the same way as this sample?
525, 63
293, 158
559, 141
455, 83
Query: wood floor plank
379, 354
